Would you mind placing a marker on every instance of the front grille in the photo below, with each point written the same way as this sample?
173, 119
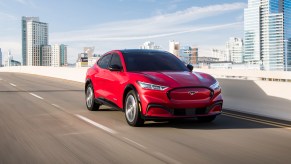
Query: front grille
194, 93
188, 111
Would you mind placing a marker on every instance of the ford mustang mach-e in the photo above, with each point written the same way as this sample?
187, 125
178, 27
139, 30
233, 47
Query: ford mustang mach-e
151, 85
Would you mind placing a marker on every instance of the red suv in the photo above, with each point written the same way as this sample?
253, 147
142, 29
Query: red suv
150, 85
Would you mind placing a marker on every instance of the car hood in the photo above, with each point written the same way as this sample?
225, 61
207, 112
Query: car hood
180, 79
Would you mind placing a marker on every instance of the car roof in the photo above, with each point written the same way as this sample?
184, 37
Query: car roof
141, 51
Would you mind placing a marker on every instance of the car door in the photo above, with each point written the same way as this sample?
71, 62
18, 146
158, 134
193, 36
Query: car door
116, 79
101, 77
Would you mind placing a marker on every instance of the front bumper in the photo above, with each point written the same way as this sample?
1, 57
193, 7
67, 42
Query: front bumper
155, 104
156, 111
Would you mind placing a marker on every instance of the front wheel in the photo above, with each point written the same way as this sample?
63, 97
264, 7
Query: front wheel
132, 110
206, 118
90, 102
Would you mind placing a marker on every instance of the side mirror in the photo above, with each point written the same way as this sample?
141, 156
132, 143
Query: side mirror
115, 67
190, 67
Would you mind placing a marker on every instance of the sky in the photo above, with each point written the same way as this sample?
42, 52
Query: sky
124, 24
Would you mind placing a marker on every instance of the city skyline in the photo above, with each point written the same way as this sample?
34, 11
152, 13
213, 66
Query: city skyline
181, 20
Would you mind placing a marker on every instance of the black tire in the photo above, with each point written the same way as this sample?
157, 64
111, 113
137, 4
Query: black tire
132, 110
90, 102
206, 118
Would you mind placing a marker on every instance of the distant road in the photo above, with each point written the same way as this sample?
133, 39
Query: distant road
44, 120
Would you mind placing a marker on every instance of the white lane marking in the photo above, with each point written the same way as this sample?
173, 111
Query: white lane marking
76, 133
12, 84
140, 145
36, 96
55, 105
96, 124
167, 158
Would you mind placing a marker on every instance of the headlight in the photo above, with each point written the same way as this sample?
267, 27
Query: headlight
215, 86
151, 86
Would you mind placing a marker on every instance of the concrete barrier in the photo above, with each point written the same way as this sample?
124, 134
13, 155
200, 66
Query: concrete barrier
74, 74
249, 74
266, 98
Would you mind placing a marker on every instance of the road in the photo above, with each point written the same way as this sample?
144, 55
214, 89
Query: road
44, 120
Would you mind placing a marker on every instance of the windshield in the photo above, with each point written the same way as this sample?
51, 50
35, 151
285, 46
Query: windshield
152, 62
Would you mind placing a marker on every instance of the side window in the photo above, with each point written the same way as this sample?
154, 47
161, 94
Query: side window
116, 60
104, 61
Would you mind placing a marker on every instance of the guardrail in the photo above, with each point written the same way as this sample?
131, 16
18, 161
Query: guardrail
68, 73
249, 74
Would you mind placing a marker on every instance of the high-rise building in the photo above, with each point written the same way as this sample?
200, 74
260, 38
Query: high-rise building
189, 54
150, 45
54, 55
34, 36
63, 55
46, 55
56, 51
0, 58
234, 50
267, 33
174, 48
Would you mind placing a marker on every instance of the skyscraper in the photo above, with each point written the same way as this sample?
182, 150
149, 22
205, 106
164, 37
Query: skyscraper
34, 37
0, 58
46, 55
234, 50
63, 55
267, 33
54, 55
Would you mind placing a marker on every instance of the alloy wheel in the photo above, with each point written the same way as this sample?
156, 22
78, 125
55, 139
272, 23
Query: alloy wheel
130, 108
89, 97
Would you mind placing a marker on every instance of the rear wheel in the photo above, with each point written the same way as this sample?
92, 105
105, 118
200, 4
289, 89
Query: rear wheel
90, 102
132, 110
206, 118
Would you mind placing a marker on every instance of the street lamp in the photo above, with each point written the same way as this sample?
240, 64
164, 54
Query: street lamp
286, 54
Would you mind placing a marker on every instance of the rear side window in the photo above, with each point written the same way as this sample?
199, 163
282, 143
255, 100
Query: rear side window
116, 60
104, 61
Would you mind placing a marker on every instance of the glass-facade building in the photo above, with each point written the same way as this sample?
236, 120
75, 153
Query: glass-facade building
34, 37
63, 55
287, 31
267, 34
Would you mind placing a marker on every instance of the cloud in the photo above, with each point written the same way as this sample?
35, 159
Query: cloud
27, 2
184, 26
6, 16
92, 37
176, 23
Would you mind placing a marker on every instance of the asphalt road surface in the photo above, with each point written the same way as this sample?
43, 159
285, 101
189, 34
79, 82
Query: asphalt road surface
44, 120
